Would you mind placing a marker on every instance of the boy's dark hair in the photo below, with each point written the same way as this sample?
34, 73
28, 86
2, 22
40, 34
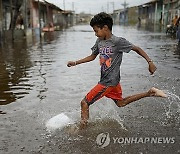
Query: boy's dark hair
102, 19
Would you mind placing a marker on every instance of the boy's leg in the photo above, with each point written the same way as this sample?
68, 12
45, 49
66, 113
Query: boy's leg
95, 94
84, 114
153, 92
99, 91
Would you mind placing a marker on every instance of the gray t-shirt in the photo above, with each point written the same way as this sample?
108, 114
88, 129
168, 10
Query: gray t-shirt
110, 54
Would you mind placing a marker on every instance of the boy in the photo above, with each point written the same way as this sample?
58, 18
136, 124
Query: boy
110, 49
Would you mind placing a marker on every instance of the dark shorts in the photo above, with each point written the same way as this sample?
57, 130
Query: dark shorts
99, 91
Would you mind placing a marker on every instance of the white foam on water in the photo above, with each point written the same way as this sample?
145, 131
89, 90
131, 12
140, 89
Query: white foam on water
58, 122
170, 94
173, 99
172, 108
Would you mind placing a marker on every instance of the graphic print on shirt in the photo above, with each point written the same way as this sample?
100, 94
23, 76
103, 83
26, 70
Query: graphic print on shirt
105, 57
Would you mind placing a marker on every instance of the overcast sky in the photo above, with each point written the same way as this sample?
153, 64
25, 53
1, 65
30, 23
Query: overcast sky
94, 6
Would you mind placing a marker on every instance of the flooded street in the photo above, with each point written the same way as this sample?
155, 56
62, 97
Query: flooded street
36, 85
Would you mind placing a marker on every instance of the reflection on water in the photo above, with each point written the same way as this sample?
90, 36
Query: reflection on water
177, 50
17, 67
14, 76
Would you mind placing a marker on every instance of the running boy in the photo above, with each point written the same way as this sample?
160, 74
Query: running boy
110, 49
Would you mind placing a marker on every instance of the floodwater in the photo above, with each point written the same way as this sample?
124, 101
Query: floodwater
36, 85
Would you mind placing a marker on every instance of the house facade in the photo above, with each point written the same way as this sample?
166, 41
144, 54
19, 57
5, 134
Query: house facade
126, 16
170, 9
32, 17
157, 12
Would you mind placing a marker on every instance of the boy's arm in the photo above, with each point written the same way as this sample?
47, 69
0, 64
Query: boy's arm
152, 67
84, 60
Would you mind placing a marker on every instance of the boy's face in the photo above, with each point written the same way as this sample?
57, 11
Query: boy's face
100, 32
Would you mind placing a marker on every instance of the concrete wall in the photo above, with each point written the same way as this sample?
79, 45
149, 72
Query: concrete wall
133, 15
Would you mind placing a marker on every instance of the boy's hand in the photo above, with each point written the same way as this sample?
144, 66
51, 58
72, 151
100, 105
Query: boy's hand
152, 68
71, 63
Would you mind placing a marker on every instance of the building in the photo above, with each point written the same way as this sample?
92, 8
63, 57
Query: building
151, 12
159, 11
126, 16
116, 16
133, 15
83, 18
31, 17
170, 9
155, 12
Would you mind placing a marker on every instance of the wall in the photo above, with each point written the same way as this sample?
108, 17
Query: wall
133, 15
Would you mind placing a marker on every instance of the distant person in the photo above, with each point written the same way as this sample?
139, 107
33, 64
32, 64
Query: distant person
174, 21
160, 20
178, 29
20, 22
139, 22
110, 49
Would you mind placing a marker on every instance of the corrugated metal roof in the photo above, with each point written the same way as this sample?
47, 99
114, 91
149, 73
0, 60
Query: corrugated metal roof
50, 4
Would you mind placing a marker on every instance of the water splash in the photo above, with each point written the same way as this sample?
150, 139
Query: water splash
172, 109
58, 122
106, 111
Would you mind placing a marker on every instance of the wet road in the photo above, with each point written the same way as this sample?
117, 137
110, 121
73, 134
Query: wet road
36, 84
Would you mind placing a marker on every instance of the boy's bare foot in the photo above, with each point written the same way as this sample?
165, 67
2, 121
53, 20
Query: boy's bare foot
156, 92
82, 125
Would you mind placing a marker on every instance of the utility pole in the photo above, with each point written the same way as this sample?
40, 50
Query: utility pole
168, 12
163, 14
64, 4
25, 15
39, 19
113, 11
73, 15
107, 7
125, 6
12, 27
1, 23
72, 6
155, 14
112, 6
